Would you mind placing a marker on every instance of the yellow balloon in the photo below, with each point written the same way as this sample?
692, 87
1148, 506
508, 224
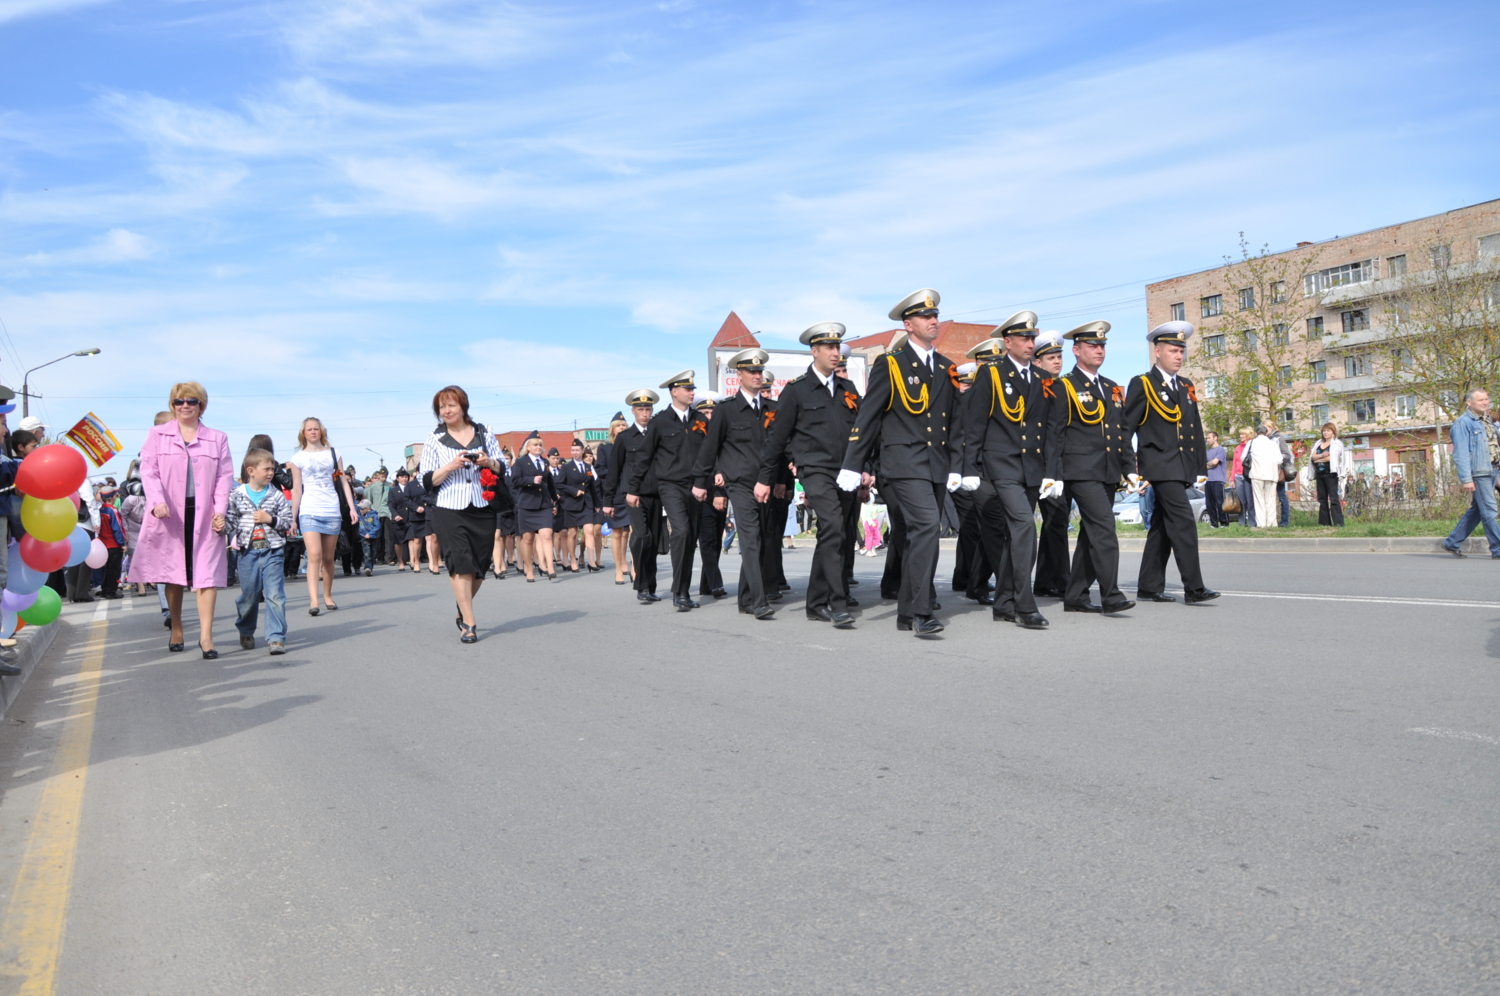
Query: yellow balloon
48, 521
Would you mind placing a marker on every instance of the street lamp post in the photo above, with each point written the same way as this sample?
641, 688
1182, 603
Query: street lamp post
26, 379
382, 459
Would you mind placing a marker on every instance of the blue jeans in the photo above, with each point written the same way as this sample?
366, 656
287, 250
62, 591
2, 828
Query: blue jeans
1247, 500
262, 570
1148, 505
1285, 518
372, 550
1481, 511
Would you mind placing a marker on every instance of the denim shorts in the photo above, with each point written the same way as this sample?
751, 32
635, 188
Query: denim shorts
328, 525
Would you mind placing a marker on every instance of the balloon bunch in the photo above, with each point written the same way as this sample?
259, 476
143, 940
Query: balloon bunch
49, 478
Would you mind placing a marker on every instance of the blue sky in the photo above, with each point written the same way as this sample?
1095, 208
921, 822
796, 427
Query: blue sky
336, 207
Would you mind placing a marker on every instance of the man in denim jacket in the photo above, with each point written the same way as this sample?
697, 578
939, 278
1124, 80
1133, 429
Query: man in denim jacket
1475, 453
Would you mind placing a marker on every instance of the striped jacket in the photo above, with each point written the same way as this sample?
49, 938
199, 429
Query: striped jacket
240, 518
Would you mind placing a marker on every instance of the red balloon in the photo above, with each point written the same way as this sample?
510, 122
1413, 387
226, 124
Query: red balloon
77, 502
51, 472
46, 557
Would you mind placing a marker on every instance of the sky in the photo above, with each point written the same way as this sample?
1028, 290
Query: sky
335, 207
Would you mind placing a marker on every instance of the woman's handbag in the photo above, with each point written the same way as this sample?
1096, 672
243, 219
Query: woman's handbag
1231, 503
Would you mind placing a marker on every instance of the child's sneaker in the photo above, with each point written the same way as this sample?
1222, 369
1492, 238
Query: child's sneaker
277, 649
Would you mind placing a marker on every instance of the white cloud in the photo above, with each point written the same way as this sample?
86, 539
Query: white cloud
118, 245
386, 32
14, 10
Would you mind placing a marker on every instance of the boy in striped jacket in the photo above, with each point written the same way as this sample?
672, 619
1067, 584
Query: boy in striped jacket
259, 518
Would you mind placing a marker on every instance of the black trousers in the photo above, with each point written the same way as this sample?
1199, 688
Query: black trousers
644, 521
1330, 511
1173, 532
851, 528
111, 583
921, 507
825, 583
1097, 557
1052, 545
1213, 493
969, 544
710, 545
1008, 524
683, 513
895, 544
388, 541
778, 510
751, 519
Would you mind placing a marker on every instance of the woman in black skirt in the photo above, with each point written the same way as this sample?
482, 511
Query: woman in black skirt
536, 497
461, 466
505, 523
614, 511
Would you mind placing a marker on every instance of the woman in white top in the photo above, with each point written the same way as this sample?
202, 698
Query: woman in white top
1327, 462
461, 463
316, 471
1264, 457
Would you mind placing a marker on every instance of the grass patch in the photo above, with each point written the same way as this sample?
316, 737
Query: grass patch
1306, 524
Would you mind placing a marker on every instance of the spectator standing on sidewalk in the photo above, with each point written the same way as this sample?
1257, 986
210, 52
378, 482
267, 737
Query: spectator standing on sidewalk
1264, 457
259, 518
1242, 479
1213, 489
1327, 464
116, 539
1476, 454
1288, 474
317, 479
377, 493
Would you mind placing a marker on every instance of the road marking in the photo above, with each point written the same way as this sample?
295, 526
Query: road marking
37, 913
1478, 738
127, 603
101, 611
1452, 603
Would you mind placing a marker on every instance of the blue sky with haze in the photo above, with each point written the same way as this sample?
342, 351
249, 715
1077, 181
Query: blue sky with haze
336, 207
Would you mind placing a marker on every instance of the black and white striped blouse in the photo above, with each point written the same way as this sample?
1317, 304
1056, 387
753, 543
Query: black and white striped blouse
461, 488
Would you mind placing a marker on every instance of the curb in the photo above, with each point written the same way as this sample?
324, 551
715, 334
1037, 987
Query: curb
1475, 546
31, 647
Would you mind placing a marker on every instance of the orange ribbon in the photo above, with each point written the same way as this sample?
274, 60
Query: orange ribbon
851, 401
1047, 391
770, 417
1192, 394
1117, 394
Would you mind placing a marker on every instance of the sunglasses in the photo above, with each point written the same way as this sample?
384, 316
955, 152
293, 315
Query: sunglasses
189, 402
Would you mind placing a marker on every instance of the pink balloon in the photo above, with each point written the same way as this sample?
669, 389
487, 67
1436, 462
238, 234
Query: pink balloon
98, 554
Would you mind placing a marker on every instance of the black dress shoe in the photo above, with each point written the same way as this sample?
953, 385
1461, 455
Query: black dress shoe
1081, 607
985, 599
652, 596
1001, 616
903, 623
843, 620
1031, 620
1110, 608
820, 613
8, 669
1201, 595
936, 605
853, 581
689, 602
774, 596
784, 586
852, 601
1046, 593
175, 648
683, 605
765, 613
1154, 596
926, 625
719, 593
643, 598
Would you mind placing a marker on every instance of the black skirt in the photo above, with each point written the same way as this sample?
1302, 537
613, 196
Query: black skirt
467, 538
572, 519
531, 520
506, 523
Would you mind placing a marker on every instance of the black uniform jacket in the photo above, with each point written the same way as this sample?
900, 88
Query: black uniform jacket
920, 444
529, 494
811, 427
570, 483
412, 495
735, 442
1004, 424
1168, 429
671, 447
625, 453
1086, 435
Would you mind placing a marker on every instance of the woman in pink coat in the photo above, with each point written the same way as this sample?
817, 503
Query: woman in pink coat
186, 473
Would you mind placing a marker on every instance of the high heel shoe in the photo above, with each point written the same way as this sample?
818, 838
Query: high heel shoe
175, 648
531, 580
208, 655
459, 619
469, 635
552, 576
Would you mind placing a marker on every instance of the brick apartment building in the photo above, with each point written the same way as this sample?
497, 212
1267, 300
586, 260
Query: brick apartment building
1336, 359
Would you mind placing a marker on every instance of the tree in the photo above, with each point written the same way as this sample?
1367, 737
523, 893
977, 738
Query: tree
1254, 349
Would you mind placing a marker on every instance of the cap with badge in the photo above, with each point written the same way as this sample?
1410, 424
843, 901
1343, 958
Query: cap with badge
709, 399
534, 435
645, 396
823, 334
1021, 323
965, 372
1089, 332
751, 359
553, 452
1050, 341
617, 417
683, 379
989, 349
1171, 332
918, 304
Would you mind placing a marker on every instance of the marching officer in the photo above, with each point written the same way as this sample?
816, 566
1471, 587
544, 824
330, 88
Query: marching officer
970, 566
851, 528
1052, 541
1161, 408
1002, 454
672, 439
908, 413
811, 425
730, 459
1088, 449
779, 508
645, 512
713, 518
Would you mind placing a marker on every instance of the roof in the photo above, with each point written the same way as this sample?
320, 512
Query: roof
953, 339
734, 334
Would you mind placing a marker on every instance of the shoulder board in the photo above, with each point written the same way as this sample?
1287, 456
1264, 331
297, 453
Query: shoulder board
797, 379
1185, 381
939, 357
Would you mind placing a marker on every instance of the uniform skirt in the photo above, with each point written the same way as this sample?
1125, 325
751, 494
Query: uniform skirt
621, 518
467, 537
572, 519
506, 523
531, 520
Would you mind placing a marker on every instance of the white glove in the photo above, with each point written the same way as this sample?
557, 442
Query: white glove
969, 484
1200, 482
848, 480
954, 481
1051, 488
1134, 478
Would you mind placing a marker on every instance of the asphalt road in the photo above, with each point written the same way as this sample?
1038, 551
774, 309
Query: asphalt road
1266, 794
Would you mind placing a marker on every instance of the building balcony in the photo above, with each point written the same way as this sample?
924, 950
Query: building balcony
1353, 385
1335, 341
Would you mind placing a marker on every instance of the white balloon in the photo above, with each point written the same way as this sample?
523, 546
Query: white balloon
98, 554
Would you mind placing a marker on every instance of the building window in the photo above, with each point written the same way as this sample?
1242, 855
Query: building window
1362, 410
1357, 365
1395, 266
1450, 401
1215, 386
1317, 371
1401, 359
1179, 312
1315, 328
1278, 292
1406, 406
1319, 414
1338, 276
1279, 335
1284, 376
1247, 298
1213, 345
1355, 321
1252, 341
1211, 305
1442, 256
1489, 245
1287, 416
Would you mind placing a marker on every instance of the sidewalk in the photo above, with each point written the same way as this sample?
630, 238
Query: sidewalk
31, 646
1475, 547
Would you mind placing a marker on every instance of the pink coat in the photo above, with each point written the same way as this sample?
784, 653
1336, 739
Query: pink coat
159, 555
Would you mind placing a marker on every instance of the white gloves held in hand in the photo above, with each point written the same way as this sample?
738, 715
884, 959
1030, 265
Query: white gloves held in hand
954, 480
1200, 482
969, 483
848, 480
1050, 488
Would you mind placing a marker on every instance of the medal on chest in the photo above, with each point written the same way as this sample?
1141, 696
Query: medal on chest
1007, 389
914, 380
1165, 396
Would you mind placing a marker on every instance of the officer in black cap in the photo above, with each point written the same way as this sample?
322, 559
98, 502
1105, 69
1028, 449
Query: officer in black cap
730, 458
645, 512
672, 443
713, 517
1002, 440
1088, 449
1161, 408
972, 567
1052, 538
841, 367
810, 428
908, 413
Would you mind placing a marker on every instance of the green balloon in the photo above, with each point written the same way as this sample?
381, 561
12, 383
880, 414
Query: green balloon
46, 608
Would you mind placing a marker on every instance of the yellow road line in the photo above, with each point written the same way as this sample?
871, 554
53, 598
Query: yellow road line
37, 914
